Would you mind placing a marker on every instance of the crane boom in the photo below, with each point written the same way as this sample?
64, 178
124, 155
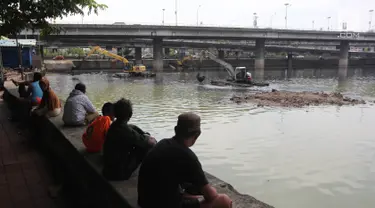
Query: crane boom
107, 53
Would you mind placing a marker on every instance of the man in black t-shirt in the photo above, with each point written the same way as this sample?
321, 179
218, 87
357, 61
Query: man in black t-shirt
170, 165
125, 145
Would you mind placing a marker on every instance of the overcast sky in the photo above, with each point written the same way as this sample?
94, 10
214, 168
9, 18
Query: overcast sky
301, 13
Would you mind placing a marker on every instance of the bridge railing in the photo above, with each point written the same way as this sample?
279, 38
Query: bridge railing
99, 21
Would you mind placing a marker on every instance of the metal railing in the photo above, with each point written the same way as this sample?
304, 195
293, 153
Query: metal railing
99, 21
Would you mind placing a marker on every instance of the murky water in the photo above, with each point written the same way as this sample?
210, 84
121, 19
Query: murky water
289, 158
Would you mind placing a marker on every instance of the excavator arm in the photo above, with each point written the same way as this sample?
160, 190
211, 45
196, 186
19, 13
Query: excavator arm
226, 65
107, 53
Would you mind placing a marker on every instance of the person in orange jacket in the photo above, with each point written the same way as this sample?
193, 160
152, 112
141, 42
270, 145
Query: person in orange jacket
95, 134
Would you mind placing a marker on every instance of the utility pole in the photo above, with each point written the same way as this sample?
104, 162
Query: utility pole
198, 15
313, 24
286, 14
176, 11
329, 22
272, 19
255, 22
163, 15
370, 22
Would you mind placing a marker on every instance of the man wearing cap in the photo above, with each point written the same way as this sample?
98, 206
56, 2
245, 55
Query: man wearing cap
170, 164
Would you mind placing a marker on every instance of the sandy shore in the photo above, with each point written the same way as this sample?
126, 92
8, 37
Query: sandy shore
297, 99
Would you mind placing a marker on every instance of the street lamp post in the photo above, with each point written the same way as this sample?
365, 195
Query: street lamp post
272, 19
370, 22
313, 24
255, 22
329, 21
286, 14
163, 15
198, 15
176, 11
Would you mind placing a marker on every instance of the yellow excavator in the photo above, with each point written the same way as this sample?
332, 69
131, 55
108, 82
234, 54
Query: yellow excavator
130, 67
184, 63
185, 59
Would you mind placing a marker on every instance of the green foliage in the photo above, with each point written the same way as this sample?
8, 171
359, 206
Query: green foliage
64, 52
16, 15
74, 51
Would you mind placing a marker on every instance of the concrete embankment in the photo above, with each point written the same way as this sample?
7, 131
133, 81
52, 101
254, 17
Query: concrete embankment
270, 64
81, 171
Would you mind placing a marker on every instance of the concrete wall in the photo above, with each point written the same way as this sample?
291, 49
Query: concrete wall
58, 65
270, 64
37, 61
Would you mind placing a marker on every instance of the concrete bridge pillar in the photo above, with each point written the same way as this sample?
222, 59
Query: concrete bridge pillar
157, 63
138, 55
221, 55
343, 62
167, 51
41, 51
259, 58
290, 65
119, 51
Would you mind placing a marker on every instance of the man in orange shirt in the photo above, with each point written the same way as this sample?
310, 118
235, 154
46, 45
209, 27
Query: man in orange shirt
95, 134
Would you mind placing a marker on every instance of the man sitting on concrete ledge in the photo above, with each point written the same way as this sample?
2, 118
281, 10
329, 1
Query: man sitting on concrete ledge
125, 145
169, 165
95, 134
50, 104
78, 109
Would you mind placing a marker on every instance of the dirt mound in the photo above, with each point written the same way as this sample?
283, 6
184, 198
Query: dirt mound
297, 99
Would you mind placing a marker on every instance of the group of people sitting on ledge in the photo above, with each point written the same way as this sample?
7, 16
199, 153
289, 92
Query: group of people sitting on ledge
39, 96
170, 174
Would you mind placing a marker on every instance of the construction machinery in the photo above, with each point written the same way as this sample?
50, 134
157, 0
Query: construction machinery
227, 66
238, 77
184, 60
129, 67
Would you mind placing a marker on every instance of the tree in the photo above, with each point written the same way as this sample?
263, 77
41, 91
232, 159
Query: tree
16, 15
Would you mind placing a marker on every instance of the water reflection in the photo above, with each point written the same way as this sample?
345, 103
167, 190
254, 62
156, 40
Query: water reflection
342, 85
158, 89
309, 157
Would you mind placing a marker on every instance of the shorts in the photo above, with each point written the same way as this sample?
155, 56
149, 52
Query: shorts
190, 203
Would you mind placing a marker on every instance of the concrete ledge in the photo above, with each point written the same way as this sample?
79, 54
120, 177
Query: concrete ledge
83, 170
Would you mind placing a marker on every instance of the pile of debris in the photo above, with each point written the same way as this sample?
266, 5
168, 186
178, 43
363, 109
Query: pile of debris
297, 99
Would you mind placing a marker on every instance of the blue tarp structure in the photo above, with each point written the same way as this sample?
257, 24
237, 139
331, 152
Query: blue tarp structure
10, 56
9, 51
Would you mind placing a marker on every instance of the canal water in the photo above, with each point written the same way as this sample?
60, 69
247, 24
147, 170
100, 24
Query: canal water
290, 158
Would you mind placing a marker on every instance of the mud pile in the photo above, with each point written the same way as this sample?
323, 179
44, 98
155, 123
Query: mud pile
297, 99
